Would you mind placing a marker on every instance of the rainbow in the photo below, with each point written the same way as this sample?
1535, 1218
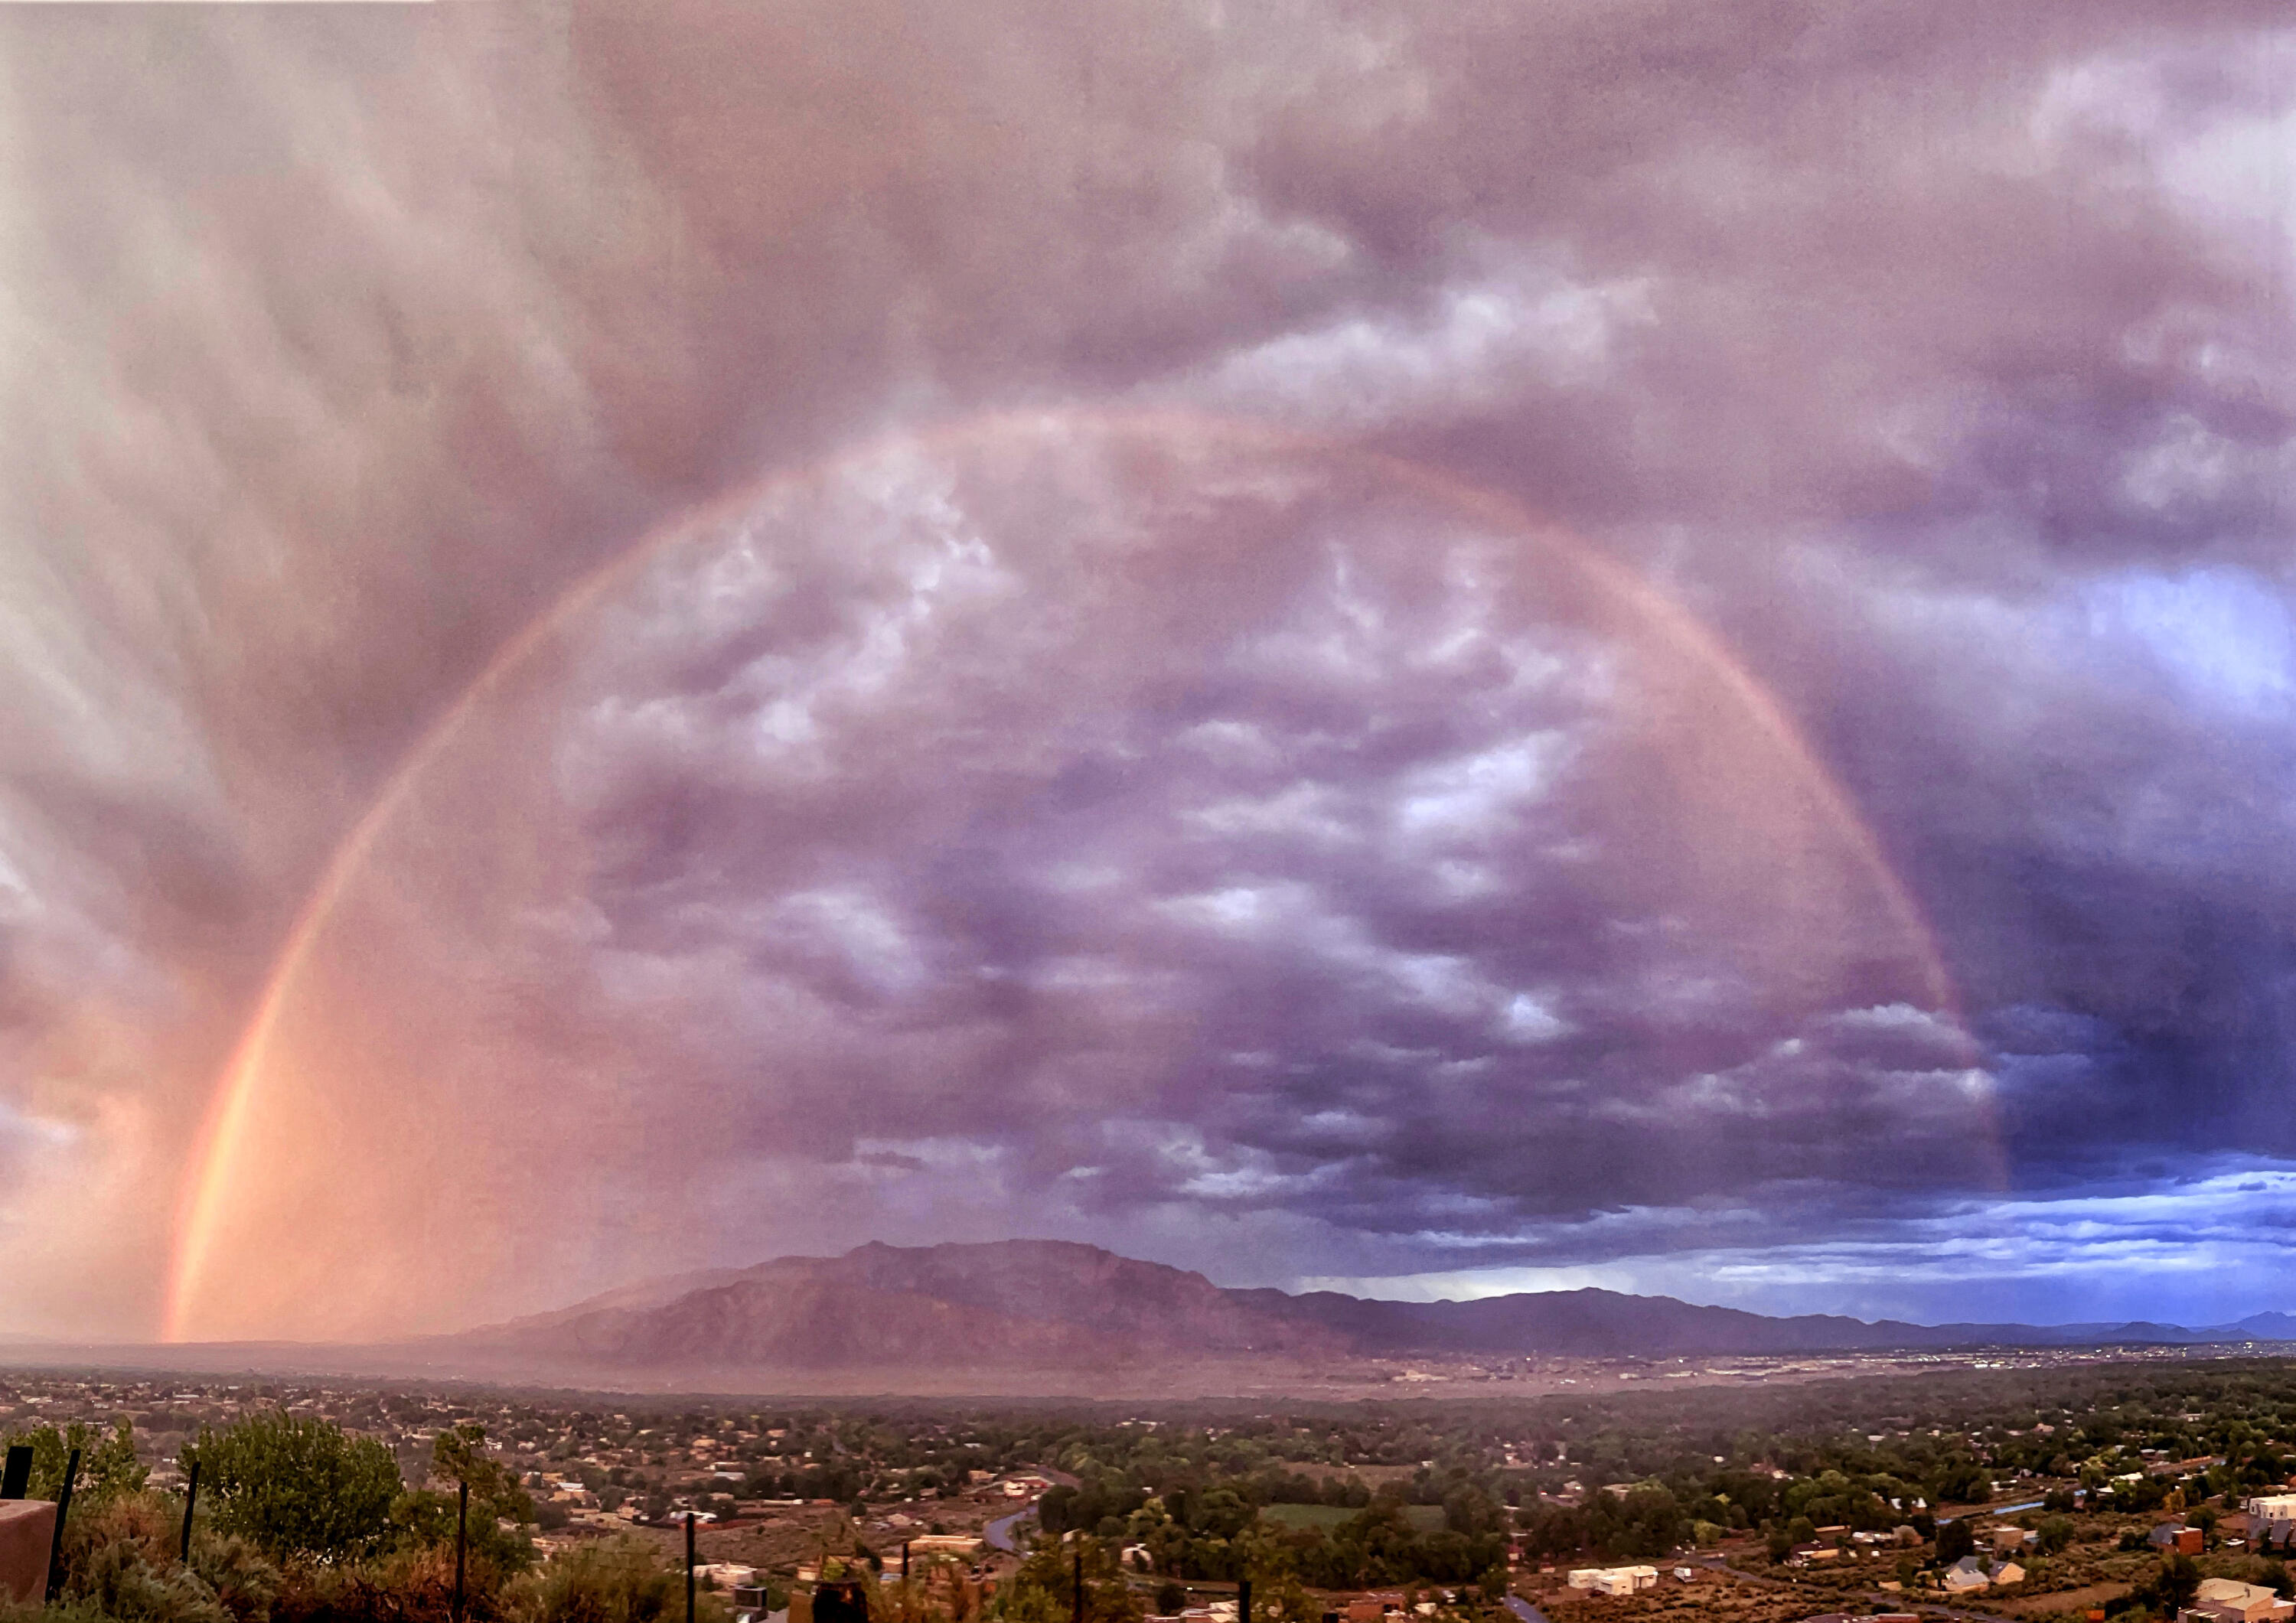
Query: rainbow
215, 1165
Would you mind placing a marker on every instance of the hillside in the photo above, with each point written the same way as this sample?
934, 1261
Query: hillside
1056, 1305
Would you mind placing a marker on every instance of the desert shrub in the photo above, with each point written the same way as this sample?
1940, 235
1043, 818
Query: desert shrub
245, 1584
411, 1586
123, 1582
622, 1580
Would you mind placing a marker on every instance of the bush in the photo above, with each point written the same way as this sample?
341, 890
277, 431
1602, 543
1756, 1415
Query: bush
297, 1486
119, 1564
620, 1581
405, 1587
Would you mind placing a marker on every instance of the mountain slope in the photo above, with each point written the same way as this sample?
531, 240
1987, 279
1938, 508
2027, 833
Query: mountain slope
1024, 1304
1053, 1305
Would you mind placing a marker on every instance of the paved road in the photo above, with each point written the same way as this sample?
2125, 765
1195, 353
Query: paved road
999, 1532
1524, 1609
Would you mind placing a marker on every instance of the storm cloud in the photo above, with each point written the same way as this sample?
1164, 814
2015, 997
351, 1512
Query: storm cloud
1197, 816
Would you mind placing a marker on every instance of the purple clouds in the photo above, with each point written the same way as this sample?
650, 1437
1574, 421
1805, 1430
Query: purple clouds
1230, 857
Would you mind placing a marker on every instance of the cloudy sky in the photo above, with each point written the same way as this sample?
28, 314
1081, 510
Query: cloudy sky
1441, 649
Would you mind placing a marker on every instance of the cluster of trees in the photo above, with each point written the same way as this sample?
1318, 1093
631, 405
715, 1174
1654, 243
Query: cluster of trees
1646, 1522
842, 1480
1381, 1545
299, 1486
1216, 1532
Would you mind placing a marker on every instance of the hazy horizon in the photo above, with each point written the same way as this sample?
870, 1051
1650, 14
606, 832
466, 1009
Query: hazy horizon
1650, 646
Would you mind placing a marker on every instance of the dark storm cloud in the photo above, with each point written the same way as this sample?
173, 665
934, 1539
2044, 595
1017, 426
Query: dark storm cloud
1938, 356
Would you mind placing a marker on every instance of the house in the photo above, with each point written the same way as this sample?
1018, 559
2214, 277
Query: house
2184, 1468
2249, 1603
1613, 1580
944, 1544
1626, 1580
2009, 1540
1965, 1574
2176, 1538
2272, 1507
2008, 1572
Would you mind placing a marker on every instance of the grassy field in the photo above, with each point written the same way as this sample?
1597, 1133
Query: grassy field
1426, 1518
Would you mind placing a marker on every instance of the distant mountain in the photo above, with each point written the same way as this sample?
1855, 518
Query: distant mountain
1014, 1304
1054, 1305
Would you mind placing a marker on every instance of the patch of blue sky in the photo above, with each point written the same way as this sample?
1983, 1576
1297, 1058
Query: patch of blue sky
2223, 634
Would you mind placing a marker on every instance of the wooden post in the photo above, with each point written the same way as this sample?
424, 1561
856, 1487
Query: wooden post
1079, 1586
16, 1476
191, 1498
462, 1541
56, 1542
905, 1561
1243, 1601
689, 1567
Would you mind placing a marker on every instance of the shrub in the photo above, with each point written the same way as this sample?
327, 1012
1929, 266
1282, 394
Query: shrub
298, 1487
623, 1580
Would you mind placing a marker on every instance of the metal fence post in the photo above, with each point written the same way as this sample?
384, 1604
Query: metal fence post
16, 1476
56, 1542
689, 1567
191, 1499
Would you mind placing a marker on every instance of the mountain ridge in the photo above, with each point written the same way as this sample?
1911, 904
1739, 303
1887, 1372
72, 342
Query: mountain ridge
1063, 1306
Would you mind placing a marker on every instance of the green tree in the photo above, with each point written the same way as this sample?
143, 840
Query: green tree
500, 1509
2172, 1587
107, 1466
2055, 1535
1042, 1590
296, 1486
1956, 1539
1468, 1509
